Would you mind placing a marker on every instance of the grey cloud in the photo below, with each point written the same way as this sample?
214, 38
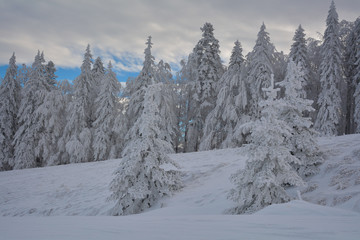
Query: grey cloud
118, 29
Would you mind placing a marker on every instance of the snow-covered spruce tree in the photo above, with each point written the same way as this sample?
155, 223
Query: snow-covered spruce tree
50, 116
356, 80
98, 72
184, 81
146, 173
205, 86
10, 96
330, 116
118, 132
231, 106
66, 91
187, 104
299, 55
78, 131
268, 170
28, 151
23, 74
352, 63
302, 142
150, 74
169, 108
107, 105
314, 57
135, 87
260, 69
357, 108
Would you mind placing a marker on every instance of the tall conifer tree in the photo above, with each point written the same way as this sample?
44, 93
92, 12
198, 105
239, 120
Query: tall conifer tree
28, 146
204, 88
330, 116
231, 105
107, 104
10, 96
78, 132
260, 69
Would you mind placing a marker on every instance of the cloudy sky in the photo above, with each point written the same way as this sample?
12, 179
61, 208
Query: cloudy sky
117, 29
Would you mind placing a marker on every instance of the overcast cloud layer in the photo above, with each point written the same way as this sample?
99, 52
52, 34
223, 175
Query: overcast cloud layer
117, 29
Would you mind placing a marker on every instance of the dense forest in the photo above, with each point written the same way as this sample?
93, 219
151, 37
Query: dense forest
271, 103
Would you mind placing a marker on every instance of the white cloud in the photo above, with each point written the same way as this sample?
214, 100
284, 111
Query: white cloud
117, 29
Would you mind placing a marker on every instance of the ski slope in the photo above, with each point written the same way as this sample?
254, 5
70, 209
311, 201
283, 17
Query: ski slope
76, 198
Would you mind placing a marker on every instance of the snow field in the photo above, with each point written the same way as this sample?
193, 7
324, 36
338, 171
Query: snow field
194, 212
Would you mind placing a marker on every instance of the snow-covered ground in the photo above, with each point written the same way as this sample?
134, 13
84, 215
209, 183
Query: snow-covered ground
74, 194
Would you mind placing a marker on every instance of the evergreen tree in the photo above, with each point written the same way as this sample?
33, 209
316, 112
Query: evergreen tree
204, 86
356, 79
357, 108
351, 61
169, 109
302, 142
231, 106
184, 99
260, 69
314, 57
66, 91
50, 118
268, 168
329, 118
98, 72
146, 173
299, 55
10, 97
23, 75
107, 104
134, 87
27, 141
78, 132
52, 115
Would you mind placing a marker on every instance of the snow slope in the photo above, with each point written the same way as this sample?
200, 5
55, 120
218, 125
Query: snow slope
338, 183
195, 212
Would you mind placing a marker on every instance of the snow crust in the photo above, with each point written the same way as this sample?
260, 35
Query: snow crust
195, 212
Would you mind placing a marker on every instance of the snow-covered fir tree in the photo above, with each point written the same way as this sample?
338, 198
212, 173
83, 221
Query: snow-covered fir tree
352, 63
357, 108
98, 71
78, 131
302, 142
356, 80
51, 118
23, 74
10, 97
299, 55
134, 87
268, 170
152, 73
28, 138
279, 65
330, 116
169, 108
186, 103
231, 106
107, 105
260, 69
146, 173
204, 88
52, 114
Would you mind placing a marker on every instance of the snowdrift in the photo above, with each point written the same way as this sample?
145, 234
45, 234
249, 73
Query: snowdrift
195, 212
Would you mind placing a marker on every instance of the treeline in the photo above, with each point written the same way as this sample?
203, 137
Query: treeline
205, 106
